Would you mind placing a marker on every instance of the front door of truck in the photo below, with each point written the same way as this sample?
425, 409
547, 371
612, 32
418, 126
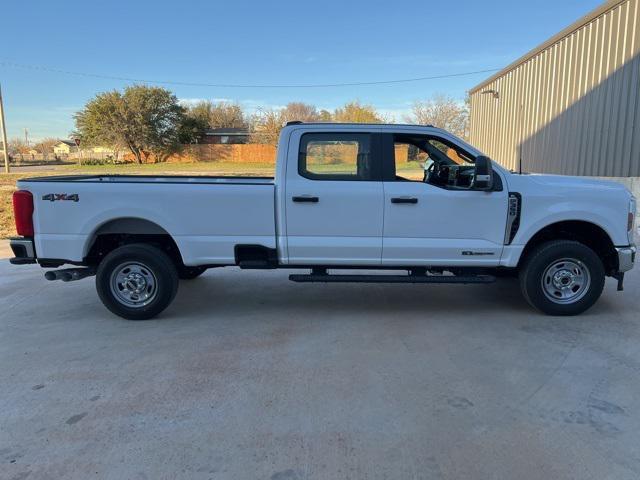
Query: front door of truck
432, 214
334, 199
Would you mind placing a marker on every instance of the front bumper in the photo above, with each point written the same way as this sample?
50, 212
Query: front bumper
626, 258
23, 250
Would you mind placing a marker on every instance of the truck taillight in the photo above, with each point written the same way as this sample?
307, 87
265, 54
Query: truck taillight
23, 212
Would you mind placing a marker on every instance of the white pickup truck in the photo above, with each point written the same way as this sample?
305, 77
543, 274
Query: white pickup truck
388, 198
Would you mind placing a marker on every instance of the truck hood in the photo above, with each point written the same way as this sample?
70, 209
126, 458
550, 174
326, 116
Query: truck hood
568, 182
548, 199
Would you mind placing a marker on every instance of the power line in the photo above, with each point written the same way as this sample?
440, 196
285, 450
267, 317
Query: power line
236, 85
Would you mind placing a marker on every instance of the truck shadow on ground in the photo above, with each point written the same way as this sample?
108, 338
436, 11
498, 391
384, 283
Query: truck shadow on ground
245, 293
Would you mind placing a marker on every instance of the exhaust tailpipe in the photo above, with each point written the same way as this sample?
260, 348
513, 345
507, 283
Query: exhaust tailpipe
70, 274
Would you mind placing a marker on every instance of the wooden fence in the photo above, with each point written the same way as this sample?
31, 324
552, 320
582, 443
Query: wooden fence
238, 153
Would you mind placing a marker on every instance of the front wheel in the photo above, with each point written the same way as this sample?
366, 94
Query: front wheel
137, 281
562, 277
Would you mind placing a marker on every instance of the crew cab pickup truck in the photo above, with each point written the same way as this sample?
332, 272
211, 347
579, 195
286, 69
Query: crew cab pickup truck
413, 203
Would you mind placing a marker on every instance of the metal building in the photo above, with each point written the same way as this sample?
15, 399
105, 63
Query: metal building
570, 106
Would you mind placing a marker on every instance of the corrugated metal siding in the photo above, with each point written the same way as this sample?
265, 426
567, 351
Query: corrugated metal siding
572, 108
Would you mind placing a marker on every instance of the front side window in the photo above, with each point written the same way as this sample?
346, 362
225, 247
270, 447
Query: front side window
336, 156
410, 161
428, 159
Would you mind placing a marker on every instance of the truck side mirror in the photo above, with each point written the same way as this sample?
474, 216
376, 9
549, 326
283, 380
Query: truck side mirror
483, 175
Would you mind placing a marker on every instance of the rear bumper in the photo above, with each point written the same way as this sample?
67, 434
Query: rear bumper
626, 258
23, 250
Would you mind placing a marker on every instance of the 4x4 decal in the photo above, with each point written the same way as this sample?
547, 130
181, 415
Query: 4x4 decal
54, 197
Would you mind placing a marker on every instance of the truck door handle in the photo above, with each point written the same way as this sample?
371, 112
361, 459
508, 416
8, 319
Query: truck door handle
412, 200
305, 198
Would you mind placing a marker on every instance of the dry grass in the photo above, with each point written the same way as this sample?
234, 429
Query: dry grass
7, 186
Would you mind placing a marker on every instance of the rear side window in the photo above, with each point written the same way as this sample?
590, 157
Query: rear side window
336, 156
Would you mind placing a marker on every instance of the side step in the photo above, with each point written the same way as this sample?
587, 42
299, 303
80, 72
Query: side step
326, 278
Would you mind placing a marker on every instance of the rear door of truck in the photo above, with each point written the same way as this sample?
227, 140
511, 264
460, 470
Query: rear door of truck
334, 197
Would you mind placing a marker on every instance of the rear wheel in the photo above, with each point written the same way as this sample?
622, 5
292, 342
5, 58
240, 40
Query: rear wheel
562, 277
137, 281
189, 273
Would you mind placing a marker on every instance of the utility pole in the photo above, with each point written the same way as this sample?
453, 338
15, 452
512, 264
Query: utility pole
26, 136
3, 130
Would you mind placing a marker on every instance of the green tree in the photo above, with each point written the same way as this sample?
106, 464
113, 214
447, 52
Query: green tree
191, 129
198, 114
355, 112
208, 114
146, 120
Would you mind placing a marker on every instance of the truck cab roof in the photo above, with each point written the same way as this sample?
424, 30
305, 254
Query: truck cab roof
342, 125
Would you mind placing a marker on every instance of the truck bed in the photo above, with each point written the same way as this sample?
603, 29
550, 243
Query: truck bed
206, 216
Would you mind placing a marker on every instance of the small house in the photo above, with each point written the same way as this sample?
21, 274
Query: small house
64, 147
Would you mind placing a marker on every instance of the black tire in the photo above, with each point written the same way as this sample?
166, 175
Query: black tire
137, 265
189, 273
562, 277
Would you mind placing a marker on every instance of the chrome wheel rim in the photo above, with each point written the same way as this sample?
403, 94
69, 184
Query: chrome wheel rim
133, 284
566, 281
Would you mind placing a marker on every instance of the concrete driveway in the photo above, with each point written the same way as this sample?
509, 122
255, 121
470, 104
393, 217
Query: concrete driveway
249, 376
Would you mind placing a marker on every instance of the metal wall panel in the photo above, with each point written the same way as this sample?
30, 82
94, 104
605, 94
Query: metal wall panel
572, 105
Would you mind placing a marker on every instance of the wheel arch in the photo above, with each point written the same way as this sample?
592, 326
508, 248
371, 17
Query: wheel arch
125, 230
586, 232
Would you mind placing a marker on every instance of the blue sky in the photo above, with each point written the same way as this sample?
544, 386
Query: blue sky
263, 42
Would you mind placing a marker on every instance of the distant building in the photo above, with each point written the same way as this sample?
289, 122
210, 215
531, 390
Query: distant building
65, 147
68, 147
225, 136
571, 105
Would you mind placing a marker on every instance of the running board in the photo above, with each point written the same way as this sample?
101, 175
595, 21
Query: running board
326, 278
